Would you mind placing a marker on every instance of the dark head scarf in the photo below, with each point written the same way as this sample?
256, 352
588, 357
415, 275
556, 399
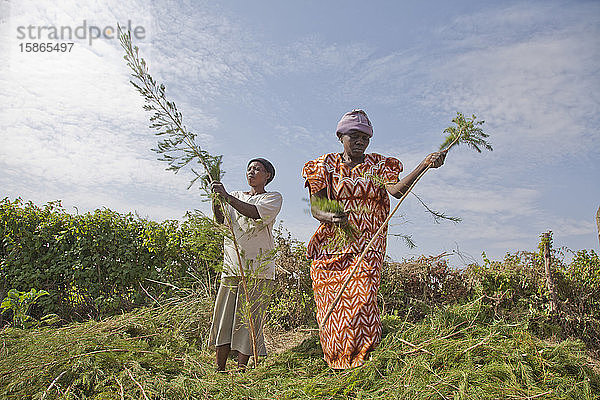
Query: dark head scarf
268, 166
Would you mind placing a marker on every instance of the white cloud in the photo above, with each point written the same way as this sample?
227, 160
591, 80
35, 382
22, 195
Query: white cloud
73, 121
304, 141
503, 204
75, 128
533, 88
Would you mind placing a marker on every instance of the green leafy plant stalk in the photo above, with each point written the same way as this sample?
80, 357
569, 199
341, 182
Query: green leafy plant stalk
467, 131
20, 303
437, 215
381, 181
179, 146
345, 233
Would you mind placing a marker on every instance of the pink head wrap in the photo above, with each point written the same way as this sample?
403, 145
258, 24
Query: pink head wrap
355, 120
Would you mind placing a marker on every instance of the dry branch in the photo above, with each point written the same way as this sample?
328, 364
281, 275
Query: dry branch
425, 343
488, 337
416, 347
138, 384
62, 361
546, 239
52, 384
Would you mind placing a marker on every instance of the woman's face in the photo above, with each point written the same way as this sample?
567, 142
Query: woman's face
355, 143
256, 174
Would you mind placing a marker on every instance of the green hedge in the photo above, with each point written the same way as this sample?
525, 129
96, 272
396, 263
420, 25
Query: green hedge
102, 262
514, 288
99, 263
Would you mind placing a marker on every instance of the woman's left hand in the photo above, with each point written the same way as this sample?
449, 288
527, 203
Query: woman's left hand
435, 160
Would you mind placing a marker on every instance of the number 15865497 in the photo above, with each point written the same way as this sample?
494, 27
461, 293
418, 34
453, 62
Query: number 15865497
49, 47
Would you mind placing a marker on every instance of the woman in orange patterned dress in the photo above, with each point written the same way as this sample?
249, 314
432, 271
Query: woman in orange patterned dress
361, 182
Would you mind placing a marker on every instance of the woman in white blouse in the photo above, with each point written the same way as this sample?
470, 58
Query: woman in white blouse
252, 214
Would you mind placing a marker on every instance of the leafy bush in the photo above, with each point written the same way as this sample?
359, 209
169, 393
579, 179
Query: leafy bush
294, 304
102, 262
584, 275
514, 284
19, 304
581, 304
516, 289
413, 288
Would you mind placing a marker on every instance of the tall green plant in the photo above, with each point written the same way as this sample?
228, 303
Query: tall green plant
20, 303
178, 145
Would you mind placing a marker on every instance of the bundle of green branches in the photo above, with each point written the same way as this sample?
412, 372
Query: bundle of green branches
344, 233
178, 146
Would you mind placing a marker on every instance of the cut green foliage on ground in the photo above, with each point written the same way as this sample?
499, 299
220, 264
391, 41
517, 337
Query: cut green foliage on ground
481, 332
458, 352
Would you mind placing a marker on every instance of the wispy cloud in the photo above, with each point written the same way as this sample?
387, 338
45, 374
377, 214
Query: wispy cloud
75, 128
529, 75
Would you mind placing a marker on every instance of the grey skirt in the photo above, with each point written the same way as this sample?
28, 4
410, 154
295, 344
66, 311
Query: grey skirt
230, 321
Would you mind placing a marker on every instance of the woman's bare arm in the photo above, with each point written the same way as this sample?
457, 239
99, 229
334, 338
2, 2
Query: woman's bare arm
246, 209
433, 160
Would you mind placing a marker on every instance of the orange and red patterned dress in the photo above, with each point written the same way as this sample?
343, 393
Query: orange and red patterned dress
354, 327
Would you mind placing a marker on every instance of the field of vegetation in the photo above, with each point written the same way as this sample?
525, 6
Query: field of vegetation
129, 303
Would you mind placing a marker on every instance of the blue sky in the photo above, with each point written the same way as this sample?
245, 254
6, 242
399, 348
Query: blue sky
272, 79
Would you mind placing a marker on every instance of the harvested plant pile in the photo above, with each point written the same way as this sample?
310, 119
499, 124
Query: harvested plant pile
457, 352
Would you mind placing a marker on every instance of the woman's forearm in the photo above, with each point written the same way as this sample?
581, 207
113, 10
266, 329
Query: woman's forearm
398, 189
246, 209
433, 160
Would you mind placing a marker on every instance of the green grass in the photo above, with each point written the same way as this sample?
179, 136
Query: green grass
344, 234
458, 352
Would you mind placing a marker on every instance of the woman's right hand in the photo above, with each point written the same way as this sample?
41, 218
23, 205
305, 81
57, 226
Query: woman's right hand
339, 218
435, 160
326, 217
218, 188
